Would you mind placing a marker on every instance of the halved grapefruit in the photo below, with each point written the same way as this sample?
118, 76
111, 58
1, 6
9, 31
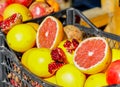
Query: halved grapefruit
92, 55
50, 33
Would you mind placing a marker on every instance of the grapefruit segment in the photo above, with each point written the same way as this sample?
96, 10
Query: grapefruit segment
92, 55
49, 33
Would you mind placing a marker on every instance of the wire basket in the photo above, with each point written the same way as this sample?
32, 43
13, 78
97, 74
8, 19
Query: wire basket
14, 74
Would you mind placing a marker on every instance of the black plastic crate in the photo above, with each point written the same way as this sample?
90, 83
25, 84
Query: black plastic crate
11, 66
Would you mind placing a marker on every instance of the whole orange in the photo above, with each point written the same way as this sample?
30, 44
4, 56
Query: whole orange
21, 37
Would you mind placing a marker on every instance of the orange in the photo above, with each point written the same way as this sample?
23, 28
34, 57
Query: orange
96, 80
17, 8
50, 33
21, 37
37, 61
33, 24
69, 76
92, 55
54, 4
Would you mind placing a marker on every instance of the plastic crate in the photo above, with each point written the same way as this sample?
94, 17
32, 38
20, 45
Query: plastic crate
10, 63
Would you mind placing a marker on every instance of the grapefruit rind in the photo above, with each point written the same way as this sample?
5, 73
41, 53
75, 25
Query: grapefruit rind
100, 66
59, 35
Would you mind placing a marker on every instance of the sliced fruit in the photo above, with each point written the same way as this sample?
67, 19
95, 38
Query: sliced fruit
92, 55
69, 76
50, 33
11, 21
58, 55
17, 8
38, 61
68, 47
54, 66
96, 80
1, 18
21, 37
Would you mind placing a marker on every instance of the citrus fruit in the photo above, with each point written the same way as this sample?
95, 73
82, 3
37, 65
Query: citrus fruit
33, 24
50, 33
21, 37
54, 4
92, 55
69, 76
115, 54
68, 46
96, 80
51, 79
17, 8
38, 60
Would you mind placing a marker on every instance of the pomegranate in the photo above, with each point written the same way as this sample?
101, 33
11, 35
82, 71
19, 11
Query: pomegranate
11, 21
1, 18
39, 9
4, 4
24, 2
113, 73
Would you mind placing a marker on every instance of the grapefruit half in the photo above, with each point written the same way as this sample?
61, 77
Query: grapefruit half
50, 33
92, 55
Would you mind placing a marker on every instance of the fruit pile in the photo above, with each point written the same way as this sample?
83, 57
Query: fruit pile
27, 8
60, 55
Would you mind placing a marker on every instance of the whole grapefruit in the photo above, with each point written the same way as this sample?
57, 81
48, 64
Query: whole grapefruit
38, 60
17, 8
21, 37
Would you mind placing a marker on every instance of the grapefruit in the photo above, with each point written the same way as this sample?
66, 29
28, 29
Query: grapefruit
51, 79
93, 55
21, 37
37, 60
33, 24
115, 54
69, 76
96, 80
50, 33
17, 8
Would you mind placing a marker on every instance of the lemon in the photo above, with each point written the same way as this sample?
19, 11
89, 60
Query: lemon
17, 8
96, 80
21, 37
115, 54
69, 76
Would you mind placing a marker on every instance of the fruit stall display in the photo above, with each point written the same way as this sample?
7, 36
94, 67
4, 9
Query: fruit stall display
56, 50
